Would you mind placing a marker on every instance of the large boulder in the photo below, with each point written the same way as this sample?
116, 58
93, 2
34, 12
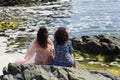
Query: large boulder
98, 44
45, 72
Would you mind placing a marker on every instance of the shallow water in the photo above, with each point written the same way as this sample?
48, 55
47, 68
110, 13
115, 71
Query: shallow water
80, 17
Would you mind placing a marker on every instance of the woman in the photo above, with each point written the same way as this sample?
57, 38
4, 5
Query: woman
63, 49
40, 50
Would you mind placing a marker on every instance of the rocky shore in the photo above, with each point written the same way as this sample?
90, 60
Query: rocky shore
22, 2
46, 72
95, 44
104, 44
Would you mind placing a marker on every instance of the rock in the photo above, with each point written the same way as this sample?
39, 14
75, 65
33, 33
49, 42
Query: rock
98, 44
22, 2
46, 72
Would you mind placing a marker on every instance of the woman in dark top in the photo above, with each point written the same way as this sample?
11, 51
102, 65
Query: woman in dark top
63, 49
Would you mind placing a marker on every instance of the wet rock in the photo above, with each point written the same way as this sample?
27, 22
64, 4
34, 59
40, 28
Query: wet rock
47, 72
22, 2
98, 44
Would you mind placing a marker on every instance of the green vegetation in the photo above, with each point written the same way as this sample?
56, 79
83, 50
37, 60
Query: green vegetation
92, 57
97, 61
111, 68
8, 25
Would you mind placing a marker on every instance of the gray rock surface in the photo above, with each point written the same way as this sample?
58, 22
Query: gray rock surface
22, 2
46, 72
98, 44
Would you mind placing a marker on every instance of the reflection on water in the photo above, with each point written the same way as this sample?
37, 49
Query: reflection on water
80, 17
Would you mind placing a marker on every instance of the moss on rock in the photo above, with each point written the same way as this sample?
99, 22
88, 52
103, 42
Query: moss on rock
8, 25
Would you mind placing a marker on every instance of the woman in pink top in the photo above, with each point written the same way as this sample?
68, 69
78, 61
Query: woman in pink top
40, 50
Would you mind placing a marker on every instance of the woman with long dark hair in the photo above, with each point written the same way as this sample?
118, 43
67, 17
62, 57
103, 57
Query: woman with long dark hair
40, 50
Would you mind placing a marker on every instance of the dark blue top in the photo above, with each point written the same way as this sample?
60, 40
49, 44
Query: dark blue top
63, 54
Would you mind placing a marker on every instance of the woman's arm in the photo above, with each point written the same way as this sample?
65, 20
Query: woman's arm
30, 49
71, 52
74, 61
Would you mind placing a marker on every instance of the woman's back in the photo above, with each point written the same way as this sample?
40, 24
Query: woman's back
63, 48
63, 54
40, 50
42, 55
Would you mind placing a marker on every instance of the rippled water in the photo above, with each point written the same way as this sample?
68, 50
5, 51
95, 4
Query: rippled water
80, 17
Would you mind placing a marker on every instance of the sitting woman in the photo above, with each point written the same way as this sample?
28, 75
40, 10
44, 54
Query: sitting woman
40, 50
63, 49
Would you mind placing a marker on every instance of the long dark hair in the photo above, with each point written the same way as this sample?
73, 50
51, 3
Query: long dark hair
61, 36
42, 37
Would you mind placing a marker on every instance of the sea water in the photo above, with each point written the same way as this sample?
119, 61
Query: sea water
79, 17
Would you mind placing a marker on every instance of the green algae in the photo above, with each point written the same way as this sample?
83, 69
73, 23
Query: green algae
111, 68
97, 62
8, 25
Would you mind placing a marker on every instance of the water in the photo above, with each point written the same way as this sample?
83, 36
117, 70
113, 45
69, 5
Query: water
80, 17
95, 17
